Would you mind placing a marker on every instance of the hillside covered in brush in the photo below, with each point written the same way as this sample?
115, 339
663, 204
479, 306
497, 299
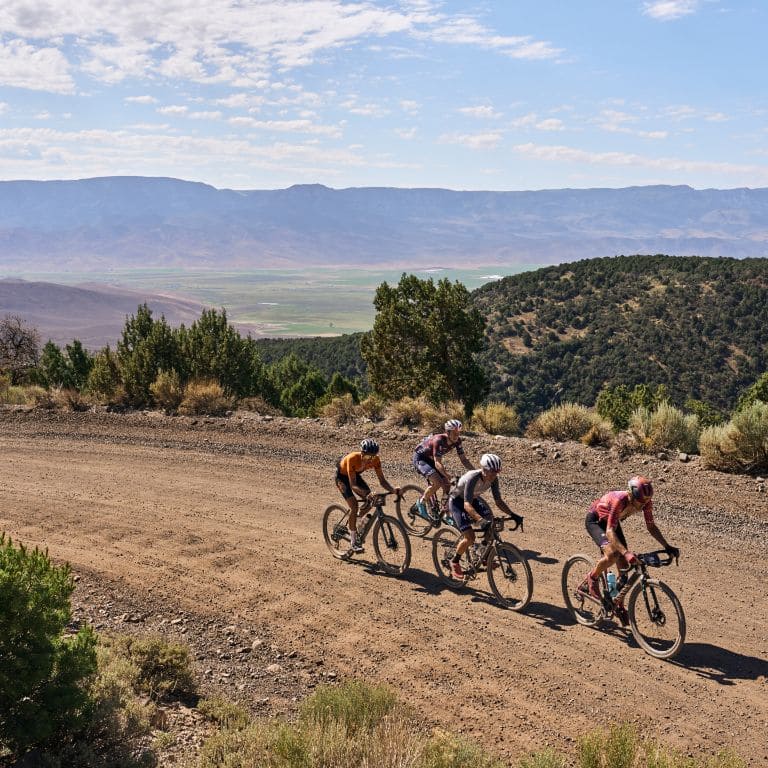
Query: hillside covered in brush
697, 325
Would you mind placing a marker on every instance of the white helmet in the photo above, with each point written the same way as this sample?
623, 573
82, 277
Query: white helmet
369, 445
452, 424
490, 461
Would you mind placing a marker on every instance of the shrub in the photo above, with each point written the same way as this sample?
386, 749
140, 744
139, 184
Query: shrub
708, 415
43, 675
618, 403
13, 395
615, 749
412, 412
258, 405
39, 397
163, 669
354, 705
69, 400
548, 758
666, 427
444, 750
167, 391
104, 377
204, 397
568, 421
224, 713
757, 392
373, 408
740, 445
496, 419
340, 410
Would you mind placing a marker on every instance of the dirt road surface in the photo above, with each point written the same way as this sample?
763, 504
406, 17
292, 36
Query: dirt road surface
211, 528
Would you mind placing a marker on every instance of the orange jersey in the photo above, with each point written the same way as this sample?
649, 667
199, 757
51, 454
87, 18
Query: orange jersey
353, 464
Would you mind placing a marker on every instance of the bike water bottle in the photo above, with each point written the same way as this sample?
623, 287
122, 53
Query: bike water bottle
612, 588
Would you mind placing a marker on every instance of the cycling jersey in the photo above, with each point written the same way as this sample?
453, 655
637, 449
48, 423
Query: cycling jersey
435, 447
354, 463
612, 507
471, 484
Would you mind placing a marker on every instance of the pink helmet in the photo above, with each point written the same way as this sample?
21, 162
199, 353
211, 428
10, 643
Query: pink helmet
640, 488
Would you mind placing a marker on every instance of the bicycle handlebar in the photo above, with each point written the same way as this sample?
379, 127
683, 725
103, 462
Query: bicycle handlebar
658, 558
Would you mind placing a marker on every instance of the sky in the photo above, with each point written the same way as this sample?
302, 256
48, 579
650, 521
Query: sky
508, 95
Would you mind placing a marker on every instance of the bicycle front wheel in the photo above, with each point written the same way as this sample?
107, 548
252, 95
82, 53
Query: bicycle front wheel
391, 545
405, 507
336, 530
443, 549
509, 576
583, 608
656, 619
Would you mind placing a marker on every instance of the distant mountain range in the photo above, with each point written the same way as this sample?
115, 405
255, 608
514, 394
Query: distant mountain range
94, 314
120, 222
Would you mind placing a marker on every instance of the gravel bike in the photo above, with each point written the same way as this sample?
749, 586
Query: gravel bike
390, 540
509, 574
413, 520
654, 613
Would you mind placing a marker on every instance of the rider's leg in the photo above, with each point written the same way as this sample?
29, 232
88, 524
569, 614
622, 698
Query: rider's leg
436, 481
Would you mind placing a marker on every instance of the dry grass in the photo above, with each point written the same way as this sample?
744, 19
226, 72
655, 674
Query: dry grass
739, 445
569, 421
167, 391
496, 419
340, 410
665, 427
204, 397
413, 412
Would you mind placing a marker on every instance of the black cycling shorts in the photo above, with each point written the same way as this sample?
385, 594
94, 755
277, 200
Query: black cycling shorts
596, 529
343, 484
461, 518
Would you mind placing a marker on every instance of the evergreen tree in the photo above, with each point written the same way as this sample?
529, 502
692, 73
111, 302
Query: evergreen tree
79, 363
52, 370
424, 340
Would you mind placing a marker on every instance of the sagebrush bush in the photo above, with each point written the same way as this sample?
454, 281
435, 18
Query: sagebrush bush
665, 427
373, 407
40, 397
204, 397
224, 713
163, 669
68, 399
258, 404
44, 674
412, 412
496, 419
741, 445
340, 410
568, 421
354, 704
167, 391
12, 395
445, 750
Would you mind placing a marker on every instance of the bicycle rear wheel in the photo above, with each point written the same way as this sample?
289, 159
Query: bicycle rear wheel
406, 512
443, 549
656, 619
336, 531
391, 545
509, 576
583, 608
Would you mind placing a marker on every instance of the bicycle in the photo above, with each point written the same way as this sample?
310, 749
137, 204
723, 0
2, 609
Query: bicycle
654, 613
413, 520
507, 569
391, 543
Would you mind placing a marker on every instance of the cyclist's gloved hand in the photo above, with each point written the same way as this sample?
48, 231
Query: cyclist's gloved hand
518, 521
485, 524
631, 558
673, 551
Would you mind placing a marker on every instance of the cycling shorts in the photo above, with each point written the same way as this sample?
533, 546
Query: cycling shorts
596, 529
422, 466
461, 518
343, 484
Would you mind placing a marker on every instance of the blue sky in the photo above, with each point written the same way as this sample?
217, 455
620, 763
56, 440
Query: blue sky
262, 94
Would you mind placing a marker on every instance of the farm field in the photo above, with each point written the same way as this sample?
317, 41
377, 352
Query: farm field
163, 517
279, 302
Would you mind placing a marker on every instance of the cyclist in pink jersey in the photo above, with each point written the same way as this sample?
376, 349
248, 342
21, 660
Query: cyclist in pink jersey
603, 523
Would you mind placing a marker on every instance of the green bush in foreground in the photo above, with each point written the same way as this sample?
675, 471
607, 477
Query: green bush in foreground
741, 445
43, 672
665, 427
568, 421
496, 419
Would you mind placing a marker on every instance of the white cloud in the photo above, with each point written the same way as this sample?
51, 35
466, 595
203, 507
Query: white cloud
524, 121
3, 107
668, 10
286, 126
489, 140
551, 124
140, 100
410, 106
44, 115
481, 112
214, 115
173, 109
716, 117
35, 68
406, 133
758, 173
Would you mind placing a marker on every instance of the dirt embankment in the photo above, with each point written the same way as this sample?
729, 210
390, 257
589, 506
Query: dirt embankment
209, 530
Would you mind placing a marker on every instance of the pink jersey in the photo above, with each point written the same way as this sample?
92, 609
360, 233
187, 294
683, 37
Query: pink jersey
612, 506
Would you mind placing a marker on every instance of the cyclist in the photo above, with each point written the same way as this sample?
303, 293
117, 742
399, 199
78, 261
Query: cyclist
349, 480
428, 461
467, 506
603, 523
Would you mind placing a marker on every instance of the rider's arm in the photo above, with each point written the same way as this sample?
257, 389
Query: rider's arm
650, 524
500, 503
385, 484
463, 456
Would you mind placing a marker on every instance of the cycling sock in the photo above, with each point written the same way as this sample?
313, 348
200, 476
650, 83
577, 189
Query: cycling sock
353, 537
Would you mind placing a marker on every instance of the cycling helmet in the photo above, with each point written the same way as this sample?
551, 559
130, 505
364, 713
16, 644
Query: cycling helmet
490, 461
452, 424
369, 445
640, 488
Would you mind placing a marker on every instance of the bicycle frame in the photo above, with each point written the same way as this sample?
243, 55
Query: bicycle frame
491, 538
